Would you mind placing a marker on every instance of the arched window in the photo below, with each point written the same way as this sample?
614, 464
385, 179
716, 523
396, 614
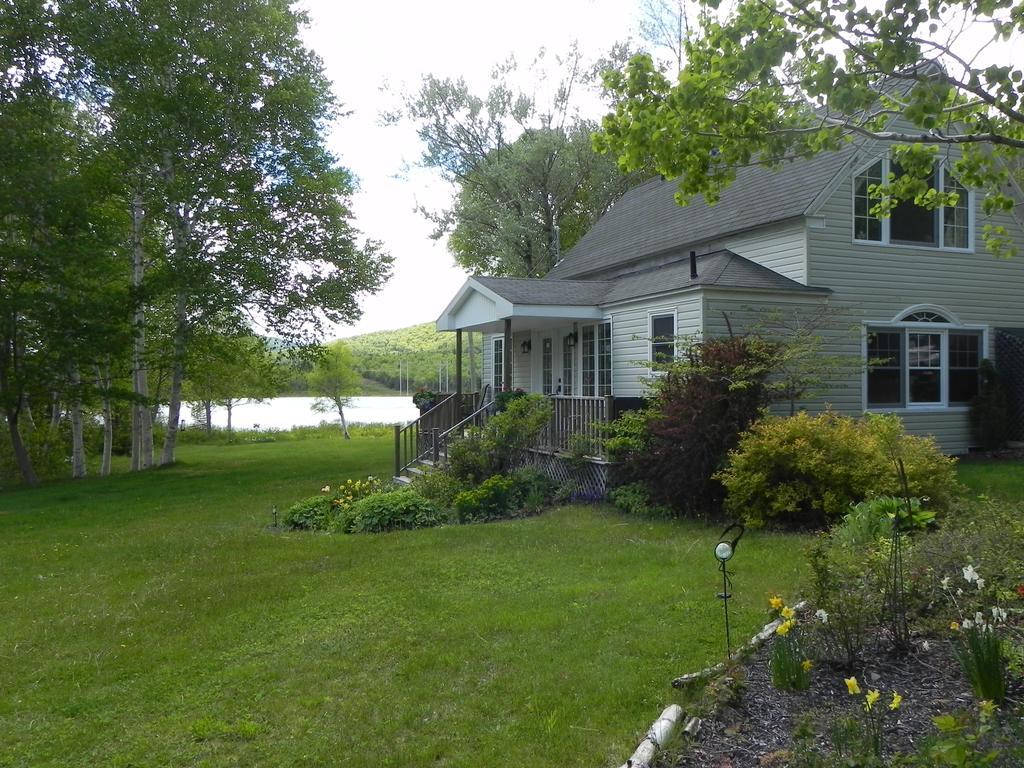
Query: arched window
923, 359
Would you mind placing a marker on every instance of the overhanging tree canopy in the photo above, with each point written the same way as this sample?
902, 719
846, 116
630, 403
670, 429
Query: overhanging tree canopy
779, 79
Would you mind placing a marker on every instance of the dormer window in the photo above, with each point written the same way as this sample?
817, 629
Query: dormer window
946, 227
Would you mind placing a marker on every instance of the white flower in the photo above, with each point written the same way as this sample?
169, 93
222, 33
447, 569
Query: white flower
979, 617
959, 591
944, 583
325, 489
970, 575
967, 624
926, 646
822, 615
980, 582
998, 614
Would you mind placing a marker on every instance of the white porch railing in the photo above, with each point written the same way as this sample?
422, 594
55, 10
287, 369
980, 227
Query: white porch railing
571, 416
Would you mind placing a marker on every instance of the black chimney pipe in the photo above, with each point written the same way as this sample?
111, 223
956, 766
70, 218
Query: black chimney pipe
693, 265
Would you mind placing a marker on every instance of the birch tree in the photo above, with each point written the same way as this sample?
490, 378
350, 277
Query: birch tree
221, 110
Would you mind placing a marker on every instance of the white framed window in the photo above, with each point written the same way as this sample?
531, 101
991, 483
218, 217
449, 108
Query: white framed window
498, 363
922, 359
568, 365
663, 337
596, 354
946, 227
546, 366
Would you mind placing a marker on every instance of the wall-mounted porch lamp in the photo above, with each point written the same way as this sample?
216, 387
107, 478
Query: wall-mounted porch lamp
526, 346
724, 550
570, 340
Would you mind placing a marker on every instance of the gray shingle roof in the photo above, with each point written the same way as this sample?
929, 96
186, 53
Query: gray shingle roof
647, 219
723, 269
536, 291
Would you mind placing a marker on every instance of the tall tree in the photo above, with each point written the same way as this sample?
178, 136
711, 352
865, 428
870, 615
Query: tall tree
528, 182
334, 380
60, 293
790, 78
220, 110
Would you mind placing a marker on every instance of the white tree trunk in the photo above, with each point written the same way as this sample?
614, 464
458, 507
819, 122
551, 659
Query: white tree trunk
177, 377
103, 384
142, 418
78, 468
344, 424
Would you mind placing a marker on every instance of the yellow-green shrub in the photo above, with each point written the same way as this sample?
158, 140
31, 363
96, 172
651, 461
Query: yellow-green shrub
806, 470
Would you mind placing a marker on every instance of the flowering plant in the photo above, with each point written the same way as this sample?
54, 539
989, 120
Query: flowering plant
872, 716
790, 666
978, 645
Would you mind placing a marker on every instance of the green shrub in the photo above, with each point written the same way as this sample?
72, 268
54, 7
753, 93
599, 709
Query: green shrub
492, 449
468, 460
532, 489
493, 499
871, 520
438, 485
635, 499
985, 533
392, 510
626, 436
310, 514
847, 587
805, 471
503, 399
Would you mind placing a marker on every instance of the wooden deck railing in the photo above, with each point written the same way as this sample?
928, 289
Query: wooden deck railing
414, 440
571, 416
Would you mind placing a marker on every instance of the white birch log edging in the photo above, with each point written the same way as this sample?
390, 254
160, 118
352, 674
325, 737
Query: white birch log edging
752, 645
661, 731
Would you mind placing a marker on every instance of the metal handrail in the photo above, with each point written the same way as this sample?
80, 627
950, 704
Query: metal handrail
408, 438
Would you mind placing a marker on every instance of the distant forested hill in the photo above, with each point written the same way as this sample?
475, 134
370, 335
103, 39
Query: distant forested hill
421, 351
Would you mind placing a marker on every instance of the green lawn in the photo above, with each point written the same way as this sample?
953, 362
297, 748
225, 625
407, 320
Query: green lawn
1003, 478
153, 620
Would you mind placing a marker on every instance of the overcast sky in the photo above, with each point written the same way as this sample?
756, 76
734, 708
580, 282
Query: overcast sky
369, 45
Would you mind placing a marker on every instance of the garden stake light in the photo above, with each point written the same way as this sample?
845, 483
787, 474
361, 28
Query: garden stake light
724, 551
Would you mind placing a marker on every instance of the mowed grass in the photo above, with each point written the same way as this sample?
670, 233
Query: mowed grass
1003, 478
154, 620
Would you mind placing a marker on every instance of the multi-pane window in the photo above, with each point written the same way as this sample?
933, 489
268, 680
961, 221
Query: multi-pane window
885, 366
924, 367
916, 365
568, 367
604, 359
498, 364
956, 222
663, 338
597, 360
589, 361
908, 223
866, 226
546, 367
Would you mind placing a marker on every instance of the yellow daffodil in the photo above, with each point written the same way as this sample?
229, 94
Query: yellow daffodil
954, 626
784, 627
807, 664
788, 613
852, 686
896, 701
869, 700
776, 602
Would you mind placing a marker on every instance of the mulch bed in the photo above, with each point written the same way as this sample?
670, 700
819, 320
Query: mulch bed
755, 729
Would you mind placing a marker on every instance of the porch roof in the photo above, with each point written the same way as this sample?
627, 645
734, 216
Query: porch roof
483, 303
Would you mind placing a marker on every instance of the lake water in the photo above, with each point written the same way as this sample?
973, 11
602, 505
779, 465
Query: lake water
288, 412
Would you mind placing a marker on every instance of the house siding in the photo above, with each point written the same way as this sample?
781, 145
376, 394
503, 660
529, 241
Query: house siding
631, 349
873, 283
782, 247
